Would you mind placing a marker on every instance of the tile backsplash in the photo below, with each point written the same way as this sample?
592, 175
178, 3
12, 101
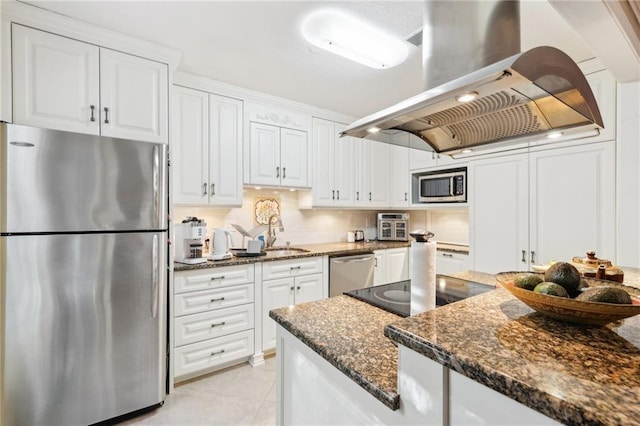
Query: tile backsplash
322, 225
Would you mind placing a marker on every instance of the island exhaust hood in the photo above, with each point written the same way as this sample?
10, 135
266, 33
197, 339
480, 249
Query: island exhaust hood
471, 50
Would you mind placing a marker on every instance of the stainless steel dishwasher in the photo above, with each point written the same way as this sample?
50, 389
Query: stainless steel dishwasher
348, 273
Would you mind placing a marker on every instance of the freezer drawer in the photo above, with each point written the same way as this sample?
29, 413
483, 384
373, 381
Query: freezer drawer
350, 273
84, 326
207, 325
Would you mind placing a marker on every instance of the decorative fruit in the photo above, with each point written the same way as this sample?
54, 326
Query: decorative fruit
564, 274
606, 295
528, 281
552, 289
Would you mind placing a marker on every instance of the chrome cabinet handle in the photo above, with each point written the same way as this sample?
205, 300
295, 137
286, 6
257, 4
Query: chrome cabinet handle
533, 256
295, 267
221, 277
298, 288
106, 115
204, 188
213, 189
278, 171
369, 196
292, 288
218, 324
357, 195
93, 110
217, 300
284, 173
447, 254
333, 194
405, 197
524, 254
217, 353
338, 192
376, 263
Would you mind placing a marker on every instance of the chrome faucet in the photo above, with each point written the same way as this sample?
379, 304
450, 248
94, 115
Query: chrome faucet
271, 233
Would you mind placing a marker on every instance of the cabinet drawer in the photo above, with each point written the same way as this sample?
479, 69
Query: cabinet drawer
202, 301
210, 353
207, 325
291, 268
212, 278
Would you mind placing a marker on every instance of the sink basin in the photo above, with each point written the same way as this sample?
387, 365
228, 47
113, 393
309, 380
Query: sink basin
284, 251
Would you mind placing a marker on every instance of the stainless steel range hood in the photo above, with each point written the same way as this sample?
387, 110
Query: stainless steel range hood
518, 96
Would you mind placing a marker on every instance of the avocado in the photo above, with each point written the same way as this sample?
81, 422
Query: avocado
564, 274
552, 289
606, 295
528, 281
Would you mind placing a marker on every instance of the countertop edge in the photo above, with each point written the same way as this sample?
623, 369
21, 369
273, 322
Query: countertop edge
391, 400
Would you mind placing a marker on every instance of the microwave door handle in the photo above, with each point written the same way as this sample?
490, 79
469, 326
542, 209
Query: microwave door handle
452, 183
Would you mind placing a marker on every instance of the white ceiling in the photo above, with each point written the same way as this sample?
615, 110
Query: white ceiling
258, 44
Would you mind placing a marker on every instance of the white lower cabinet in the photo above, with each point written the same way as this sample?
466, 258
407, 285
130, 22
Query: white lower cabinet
391, 265
287, 283
213, 319
448, 262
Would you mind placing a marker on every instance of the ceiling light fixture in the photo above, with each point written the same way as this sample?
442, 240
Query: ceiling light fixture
352, 38
467, 151
373, 129
554, 135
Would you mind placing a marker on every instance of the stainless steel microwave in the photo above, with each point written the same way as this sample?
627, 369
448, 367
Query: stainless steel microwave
443, 186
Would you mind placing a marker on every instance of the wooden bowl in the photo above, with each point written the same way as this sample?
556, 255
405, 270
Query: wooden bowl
571, 310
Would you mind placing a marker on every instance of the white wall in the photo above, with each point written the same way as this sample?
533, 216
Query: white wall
450, 226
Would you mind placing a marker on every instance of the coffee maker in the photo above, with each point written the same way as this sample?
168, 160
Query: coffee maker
189, 241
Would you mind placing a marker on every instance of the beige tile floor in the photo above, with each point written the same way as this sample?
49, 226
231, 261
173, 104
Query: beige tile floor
241, 395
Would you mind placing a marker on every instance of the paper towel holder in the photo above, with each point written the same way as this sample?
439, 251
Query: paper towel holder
422, 236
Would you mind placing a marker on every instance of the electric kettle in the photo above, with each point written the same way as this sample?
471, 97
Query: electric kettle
220, 249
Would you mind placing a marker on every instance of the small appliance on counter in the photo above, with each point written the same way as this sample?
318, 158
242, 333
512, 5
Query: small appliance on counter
393, 227
220, 249
190, 235
359, 235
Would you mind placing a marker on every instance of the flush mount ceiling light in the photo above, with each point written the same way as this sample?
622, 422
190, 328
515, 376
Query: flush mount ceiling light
352, 38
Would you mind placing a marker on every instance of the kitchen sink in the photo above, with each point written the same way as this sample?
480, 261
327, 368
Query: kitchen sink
284, 251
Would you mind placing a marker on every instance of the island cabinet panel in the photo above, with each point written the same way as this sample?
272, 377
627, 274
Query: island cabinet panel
471, 403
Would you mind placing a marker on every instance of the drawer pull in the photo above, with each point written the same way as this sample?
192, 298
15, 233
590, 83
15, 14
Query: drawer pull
218, 324
447, 254
221, 277
295, 267
217, 353
217, 300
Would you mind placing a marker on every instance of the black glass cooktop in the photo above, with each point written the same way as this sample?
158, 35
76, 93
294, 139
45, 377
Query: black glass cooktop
396, 297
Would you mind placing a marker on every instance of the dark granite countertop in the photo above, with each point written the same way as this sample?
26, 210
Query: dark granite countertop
350, 335
577, 375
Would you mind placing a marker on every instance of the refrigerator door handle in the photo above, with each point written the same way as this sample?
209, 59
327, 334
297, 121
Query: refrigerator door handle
155, 294
156, 185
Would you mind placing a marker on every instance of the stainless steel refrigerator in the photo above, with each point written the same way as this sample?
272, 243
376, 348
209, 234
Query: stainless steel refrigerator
83, 273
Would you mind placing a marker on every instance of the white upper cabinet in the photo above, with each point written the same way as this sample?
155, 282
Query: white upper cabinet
276, 152
372, 173
64, 84
133, 97
399, 179
547, 205
206, 148
55, 82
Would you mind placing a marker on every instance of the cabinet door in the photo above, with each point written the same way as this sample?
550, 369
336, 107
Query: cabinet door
265, 154
55, 82
399, 176
190, 146
323, 154
133, 97
447, 263
380, 269
344, 173
572, 205
603, 85
397, 264
276, 294
498, 213
225, 151
308, 288
294, 159
376, 173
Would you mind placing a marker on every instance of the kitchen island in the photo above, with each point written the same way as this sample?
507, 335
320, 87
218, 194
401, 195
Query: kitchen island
453, 365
